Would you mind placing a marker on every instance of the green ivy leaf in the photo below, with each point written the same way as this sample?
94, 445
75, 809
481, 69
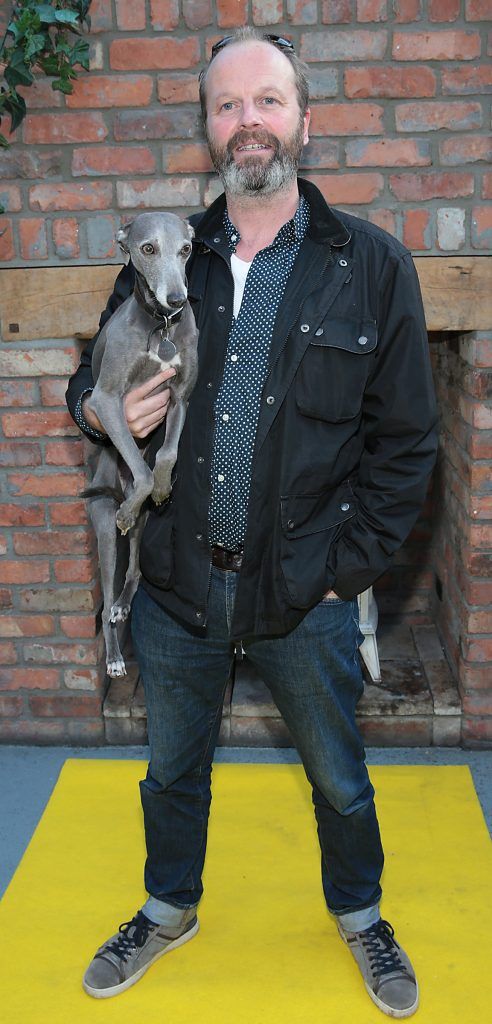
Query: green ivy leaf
46, 14
62, 85
15, 106
34, 45
67, 17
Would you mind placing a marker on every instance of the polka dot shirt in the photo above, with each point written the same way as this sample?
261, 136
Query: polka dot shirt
246, 365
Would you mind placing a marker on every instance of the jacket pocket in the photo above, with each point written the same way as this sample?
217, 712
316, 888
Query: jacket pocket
309, 525
332, 375
157, 547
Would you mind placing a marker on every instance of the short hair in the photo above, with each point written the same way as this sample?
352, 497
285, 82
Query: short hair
246, 35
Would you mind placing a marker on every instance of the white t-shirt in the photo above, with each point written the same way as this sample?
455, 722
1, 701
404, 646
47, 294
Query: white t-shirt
239, 272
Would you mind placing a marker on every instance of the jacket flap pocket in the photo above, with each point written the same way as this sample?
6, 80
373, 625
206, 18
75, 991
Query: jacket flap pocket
357, 336
303, 514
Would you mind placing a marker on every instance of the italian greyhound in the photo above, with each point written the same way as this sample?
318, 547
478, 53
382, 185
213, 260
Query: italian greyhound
152, 330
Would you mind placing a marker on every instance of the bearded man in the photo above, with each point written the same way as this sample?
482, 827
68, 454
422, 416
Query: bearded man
303, 464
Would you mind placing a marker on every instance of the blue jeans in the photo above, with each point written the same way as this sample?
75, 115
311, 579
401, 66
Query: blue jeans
315, 679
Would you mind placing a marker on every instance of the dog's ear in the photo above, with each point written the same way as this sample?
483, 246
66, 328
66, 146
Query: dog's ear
122, 237
191, 231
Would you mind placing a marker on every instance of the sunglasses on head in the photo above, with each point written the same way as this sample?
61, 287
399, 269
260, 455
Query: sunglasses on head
280, 41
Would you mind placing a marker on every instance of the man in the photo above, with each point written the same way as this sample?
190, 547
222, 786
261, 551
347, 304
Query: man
307, 447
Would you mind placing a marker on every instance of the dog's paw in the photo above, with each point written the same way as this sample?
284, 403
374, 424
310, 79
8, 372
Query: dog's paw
125, 519
116, 668
160, 495
119, 613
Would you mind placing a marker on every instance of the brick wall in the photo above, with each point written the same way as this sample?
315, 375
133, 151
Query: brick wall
400, 127
463, 523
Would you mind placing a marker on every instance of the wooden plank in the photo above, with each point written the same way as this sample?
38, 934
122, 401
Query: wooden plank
63, 302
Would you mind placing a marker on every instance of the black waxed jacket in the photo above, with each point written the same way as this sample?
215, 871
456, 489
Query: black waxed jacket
346, 437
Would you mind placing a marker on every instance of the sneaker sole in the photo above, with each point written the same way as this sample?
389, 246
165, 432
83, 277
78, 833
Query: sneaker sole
106, 993
390, 1011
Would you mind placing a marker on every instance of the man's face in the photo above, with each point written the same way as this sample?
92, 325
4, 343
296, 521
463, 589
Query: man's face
255, 129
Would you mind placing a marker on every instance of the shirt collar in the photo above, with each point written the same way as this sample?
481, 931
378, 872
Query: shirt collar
291, 232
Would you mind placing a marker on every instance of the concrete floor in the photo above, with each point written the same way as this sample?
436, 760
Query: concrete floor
29, 774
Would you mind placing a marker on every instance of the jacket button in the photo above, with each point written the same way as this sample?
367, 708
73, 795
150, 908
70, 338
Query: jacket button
362, 340
209, 385
344, 506
221, 309
217, 239
342, 263
319, 332
290, 524
198, 615
270, 400
304, 328
200, 459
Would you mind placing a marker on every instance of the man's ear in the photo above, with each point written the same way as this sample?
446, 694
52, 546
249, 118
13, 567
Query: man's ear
122, 237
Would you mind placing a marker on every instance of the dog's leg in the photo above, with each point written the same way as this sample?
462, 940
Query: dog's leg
110, 411
102, 512
167, 455
121, 608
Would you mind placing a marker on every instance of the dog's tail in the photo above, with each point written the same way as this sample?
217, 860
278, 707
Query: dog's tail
104, 492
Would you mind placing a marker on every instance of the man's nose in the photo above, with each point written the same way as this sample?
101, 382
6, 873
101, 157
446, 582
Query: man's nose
250, 115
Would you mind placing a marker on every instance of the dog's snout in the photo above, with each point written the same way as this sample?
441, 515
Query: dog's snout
175, 301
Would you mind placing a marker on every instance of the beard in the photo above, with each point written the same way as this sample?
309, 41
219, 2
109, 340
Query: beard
257, 175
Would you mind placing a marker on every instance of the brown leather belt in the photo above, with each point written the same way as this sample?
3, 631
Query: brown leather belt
229, 560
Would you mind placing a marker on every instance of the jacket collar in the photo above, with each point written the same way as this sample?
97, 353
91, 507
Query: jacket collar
325, 226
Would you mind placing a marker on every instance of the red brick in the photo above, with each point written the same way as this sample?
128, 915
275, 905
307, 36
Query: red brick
267, 12
444, 10
38, 424
48, 485
477, 10
22, 515
153, 54
30, 164
320, 153
347, 119
466, 150
33, 241
232, 13
372, 10
3, 544
78, 626
7, 249
336, 12
20, 454
429, 117
172, 192
481, 508
482, 227
111, 91
406, 10
11, 707
8, 656
17, 393
25, 572
389, 82
476, 733
101, 236
177, 88
487, 186
27, 625
40, 95
19, 730
349, 188
64, 128
52, 542
65, 705
65, 453
155, 124
362, 44
40, 361
433, 185
302, 12
101, 15
416, 229
475, 677
68, 513
94, 195
197, 13
186, 157
464, 80
130, 15
10, 198
74, 570
77, 654
65, 231
385, 219
446, 44
388, 153
82, 679
164, 15
59, 599
477, 649
480, 622
53, 392
5, 598
112, 160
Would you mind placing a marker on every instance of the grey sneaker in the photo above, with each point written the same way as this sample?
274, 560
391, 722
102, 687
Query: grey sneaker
388, 974
122, 960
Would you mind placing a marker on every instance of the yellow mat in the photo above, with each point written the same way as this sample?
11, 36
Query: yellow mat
267, 952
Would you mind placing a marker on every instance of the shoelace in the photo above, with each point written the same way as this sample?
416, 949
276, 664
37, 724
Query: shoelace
126, 943
382, 949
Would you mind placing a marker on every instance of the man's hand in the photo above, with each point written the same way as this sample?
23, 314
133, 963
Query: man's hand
329, 595
145, 406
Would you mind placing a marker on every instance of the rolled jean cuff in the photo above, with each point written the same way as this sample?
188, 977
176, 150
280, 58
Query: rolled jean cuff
166, 914
359, 920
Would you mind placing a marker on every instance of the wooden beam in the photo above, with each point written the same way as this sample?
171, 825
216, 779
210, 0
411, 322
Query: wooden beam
65, 302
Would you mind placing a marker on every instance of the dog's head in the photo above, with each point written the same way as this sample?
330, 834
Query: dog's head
159, 245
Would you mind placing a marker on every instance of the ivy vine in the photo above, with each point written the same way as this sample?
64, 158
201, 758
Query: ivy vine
41, 37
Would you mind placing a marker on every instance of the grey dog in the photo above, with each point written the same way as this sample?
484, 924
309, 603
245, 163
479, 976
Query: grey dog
152, 330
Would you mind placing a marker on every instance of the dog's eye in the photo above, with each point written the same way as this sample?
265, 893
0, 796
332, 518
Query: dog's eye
185, 251
148, 249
